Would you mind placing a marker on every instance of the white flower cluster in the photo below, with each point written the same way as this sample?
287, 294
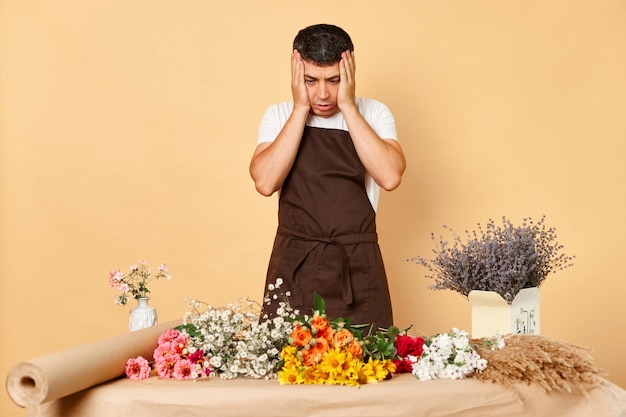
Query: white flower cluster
235, 341
448, 355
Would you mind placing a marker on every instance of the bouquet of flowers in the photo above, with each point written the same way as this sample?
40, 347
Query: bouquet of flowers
504, 259
237, 341
226, 342
450, 355
173, 358
324, 351
136, 282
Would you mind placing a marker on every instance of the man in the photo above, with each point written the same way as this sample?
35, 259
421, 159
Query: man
327, 153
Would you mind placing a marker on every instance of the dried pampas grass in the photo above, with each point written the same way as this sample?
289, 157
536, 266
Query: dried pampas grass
551, 364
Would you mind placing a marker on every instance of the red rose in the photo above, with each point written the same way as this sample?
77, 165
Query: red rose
408, 345
403, 366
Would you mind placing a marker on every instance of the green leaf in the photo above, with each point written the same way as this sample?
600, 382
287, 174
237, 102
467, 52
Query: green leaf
319, 304
357, 333
393, 332
190, 329
279, 365
390, 351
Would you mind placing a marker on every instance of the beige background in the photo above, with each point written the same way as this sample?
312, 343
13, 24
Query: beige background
127, 127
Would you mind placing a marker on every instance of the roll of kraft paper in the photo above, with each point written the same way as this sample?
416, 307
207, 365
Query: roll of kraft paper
57, 375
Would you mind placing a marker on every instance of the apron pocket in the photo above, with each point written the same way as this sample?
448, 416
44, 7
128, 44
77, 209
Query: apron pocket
326, 280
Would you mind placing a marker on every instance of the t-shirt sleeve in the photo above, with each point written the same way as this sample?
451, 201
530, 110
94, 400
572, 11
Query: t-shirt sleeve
268, 129
273, 121
382, 121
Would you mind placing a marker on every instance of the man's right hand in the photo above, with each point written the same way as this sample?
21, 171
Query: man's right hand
272, 161
298, 86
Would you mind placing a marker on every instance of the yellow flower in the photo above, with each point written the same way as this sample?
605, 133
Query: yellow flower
309, 375
366, 375
373, 371
319, 376
349, 374
352, 382
289, 354
389, 366
380, 369
333, 361
288, 351
290, 375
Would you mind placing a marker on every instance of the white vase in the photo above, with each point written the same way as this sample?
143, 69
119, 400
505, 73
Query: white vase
491, 313
142, 316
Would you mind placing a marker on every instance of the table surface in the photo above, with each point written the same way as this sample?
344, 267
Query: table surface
403, 395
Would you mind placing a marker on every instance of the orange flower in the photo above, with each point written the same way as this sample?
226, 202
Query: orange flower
325, 333
321, 345
319, 323
355, 349
311, 357
301, 336
342, 338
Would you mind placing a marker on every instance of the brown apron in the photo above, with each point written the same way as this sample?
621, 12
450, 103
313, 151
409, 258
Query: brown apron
326, 241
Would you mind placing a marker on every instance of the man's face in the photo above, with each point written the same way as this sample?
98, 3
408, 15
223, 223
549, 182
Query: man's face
323, 86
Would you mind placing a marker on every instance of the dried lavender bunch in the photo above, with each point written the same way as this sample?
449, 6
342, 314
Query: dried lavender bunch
501, 258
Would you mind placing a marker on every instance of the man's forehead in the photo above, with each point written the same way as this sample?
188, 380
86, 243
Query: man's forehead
326, 72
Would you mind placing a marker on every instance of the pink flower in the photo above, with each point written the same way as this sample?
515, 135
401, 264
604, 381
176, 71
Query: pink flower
115, 276
116, 280
137, 368
166, 273
111, 276
168, 336
197, 356
180, 344
165, 365
183, 369
162, 350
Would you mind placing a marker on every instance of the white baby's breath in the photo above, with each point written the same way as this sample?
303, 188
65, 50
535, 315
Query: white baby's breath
236, 340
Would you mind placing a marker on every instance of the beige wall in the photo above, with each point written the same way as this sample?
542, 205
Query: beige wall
127, 126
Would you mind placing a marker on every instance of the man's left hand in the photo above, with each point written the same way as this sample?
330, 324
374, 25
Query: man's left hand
347, 83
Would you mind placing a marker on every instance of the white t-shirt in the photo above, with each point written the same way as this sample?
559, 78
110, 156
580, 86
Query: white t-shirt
377, 115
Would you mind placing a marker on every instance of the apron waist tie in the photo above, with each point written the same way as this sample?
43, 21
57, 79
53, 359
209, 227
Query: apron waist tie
340, 242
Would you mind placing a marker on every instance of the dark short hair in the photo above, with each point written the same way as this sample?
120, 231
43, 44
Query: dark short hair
322, 44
